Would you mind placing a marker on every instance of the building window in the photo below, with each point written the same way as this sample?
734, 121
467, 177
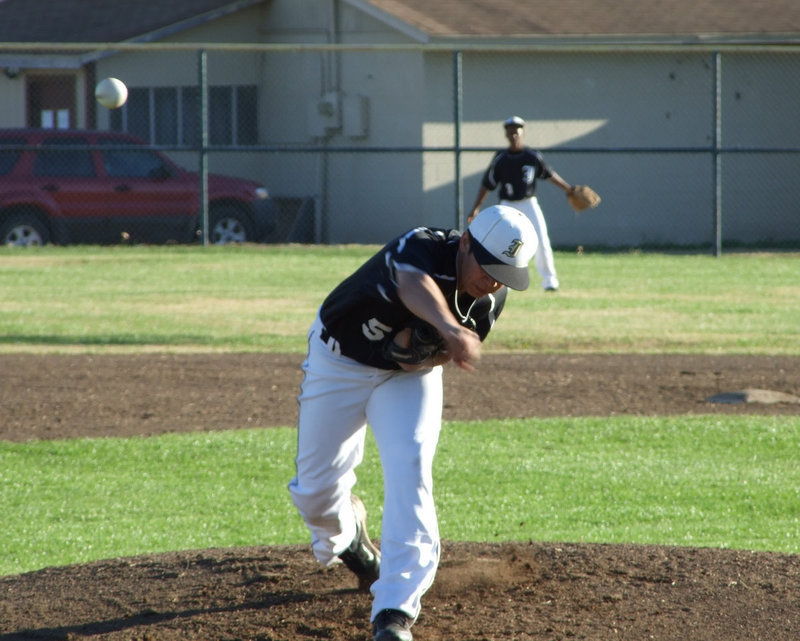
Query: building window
171, 115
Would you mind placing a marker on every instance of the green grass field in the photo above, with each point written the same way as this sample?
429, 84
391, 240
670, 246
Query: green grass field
706, 481
262, 298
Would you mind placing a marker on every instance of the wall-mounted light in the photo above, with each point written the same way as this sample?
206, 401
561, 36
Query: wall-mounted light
12, 72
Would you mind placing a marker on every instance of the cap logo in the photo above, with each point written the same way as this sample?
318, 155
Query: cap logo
504, 243
513, 248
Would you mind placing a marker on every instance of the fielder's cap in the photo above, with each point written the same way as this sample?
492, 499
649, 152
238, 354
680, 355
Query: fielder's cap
503, 242
514, 121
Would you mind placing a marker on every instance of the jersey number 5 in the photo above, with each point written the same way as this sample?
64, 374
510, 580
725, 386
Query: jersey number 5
374, 330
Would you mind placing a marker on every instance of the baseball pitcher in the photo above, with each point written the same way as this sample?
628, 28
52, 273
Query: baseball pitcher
375, 356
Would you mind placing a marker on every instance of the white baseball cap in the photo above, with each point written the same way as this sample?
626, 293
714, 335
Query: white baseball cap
514, 121
504, 242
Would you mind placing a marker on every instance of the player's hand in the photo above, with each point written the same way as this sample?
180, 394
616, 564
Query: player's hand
463, 346
403, 339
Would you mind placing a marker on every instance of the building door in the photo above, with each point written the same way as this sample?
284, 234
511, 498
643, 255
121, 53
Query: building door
51, 101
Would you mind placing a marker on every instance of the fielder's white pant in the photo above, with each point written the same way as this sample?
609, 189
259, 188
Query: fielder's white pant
543, 258
338, 397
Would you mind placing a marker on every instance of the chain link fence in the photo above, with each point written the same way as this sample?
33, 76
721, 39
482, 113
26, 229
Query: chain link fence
690, 147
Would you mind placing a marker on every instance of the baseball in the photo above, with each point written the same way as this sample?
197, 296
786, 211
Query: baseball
111, 93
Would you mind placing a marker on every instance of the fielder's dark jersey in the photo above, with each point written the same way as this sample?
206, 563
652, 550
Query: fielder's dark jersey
516, 173
365, 309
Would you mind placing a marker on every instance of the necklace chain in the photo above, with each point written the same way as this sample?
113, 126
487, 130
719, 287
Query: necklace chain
464, 318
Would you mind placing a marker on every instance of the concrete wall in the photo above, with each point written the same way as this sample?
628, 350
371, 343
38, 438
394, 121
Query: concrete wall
603, 101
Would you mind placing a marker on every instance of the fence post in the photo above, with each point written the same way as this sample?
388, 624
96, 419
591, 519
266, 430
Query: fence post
717, 163
202, 81
457, 100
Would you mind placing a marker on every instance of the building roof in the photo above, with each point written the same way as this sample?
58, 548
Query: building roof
105, 20
637, 18
120, 20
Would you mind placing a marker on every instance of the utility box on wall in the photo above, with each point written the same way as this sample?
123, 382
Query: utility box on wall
325, 115
333, 113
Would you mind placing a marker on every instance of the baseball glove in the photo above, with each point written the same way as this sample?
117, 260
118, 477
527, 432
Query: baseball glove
582, 196
423, 342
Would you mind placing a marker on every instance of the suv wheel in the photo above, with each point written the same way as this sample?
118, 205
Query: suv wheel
229, 224
23, 230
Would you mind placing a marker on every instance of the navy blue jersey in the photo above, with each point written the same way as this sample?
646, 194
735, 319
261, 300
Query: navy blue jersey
364, 310
515, 173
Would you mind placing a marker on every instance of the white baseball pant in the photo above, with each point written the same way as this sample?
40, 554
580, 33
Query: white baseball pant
543, 258
338, 398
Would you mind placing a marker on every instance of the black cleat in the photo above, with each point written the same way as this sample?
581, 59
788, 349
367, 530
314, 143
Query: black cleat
362, 557
392, 625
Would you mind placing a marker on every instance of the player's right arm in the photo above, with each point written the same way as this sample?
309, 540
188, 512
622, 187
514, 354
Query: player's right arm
488, 183
423, 298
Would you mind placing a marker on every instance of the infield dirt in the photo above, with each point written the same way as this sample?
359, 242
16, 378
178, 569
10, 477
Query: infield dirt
484, 591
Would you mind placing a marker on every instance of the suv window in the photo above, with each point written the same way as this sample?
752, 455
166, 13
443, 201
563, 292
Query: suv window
10, 156
134, 162
52, 161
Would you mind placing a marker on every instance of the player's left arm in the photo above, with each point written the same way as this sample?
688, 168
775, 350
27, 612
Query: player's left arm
559, 182
546, 172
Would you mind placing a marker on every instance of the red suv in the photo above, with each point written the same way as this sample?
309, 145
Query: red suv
81, 186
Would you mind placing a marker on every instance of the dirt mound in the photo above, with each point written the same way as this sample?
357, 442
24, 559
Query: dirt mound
482, 592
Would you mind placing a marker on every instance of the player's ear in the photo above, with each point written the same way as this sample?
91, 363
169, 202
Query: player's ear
465, 243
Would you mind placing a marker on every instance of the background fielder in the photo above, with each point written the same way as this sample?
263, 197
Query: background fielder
513, 172
453, 281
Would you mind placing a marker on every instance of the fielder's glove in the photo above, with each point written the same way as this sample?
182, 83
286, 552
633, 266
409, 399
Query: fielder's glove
423, 343
580, 197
